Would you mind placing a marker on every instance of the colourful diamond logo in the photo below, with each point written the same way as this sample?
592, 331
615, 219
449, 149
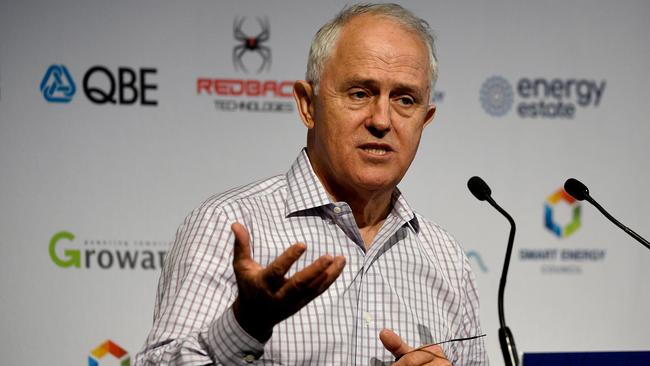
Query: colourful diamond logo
561, 231
112, 349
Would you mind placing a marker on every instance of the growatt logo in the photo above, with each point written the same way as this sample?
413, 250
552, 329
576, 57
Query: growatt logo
112, 349
551, 222
106, 254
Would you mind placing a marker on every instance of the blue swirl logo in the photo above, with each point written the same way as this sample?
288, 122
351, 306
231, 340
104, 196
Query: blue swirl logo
496, 96
57, 85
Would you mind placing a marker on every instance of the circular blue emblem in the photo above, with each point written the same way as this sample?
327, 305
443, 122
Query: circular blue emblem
496, 96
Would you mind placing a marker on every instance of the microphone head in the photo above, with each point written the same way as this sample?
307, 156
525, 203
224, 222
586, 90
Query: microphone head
576, 189
479, 188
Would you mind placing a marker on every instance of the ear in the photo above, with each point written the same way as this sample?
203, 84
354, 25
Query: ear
431, 112
304, 95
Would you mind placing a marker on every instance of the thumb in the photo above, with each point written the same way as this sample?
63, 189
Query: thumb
242, 250
393, 343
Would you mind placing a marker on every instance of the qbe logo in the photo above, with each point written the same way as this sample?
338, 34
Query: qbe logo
540, 97
101, 85
57, 85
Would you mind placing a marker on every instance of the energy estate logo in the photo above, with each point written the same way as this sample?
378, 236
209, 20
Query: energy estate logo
540, 97
496, 96
109, 348
550, 258
236, 94
106, 254
124, 86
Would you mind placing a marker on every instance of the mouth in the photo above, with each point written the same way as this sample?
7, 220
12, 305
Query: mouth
376, 149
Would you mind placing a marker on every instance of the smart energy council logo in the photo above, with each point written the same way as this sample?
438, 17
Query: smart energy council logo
540, 97
562, 219
251, 51
109, 348
561, 196
65, 252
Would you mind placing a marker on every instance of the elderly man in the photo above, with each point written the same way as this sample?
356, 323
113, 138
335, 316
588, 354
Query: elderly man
328, 264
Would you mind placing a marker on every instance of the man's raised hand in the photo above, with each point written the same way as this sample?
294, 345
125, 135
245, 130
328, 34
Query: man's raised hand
266, 297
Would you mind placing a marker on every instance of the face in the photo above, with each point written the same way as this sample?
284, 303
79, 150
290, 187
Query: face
372, 105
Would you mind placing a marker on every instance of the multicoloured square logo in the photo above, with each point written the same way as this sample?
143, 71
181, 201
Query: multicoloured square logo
112, 349
551, 222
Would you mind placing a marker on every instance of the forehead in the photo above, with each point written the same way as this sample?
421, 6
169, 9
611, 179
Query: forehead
373, 45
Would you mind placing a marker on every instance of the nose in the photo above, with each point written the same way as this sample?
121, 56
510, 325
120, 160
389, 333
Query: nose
379, 122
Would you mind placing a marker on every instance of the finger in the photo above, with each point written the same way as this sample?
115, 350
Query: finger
430, 355
274, 273
393, 343
298, 288
327, 277
419, 357
242, 250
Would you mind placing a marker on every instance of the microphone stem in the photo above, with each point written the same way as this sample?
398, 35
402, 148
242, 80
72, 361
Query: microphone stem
617, 223
506, 262
506, 339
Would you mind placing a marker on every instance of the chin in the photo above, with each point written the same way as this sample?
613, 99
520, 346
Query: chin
377, 183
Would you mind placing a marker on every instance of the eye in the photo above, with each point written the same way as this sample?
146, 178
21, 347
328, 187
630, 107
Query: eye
358, 94
406, 101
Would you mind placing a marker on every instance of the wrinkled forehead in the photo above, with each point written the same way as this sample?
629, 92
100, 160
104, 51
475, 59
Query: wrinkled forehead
373, 45
370, 35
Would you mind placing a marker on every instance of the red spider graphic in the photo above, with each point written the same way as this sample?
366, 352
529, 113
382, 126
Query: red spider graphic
253, 44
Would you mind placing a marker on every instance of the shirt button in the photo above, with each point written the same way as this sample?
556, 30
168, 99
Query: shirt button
249, 358
337, 209
367, 317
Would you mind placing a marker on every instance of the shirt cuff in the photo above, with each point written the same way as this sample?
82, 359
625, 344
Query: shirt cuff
231, 345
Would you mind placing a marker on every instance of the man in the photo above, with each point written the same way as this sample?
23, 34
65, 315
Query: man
367, 279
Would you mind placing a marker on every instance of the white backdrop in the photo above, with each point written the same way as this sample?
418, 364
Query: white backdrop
120, 177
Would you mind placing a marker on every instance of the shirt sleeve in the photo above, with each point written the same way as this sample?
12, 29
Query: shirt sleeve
472, 352
193, 320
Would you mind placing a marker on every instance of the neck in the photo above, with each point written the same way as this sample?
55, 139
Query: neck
370, 209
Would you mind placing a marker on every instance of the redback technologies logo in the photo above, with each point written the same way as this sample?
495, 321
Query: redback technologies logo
109, 349
250, 52
561, 230
251, 44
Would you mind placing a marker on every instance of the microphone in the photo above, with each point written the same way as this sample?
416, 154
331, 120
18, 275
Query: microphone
482, 192
580, 192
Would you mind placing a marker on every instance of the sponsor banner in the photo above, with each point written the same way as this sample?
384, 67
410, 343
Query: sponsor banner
67, 251
101, 85
540, 97
562, 218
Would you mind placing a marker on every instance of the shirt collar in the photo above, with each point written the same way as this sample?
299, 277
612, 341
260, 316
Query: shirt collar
305, 191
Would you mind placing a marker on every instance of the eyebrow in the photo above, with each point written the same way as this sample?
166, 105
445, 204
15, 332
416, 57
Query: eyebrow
371, 83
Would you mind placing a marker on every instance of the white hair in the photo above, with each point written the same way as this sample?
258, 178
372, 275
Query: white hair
327, 36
